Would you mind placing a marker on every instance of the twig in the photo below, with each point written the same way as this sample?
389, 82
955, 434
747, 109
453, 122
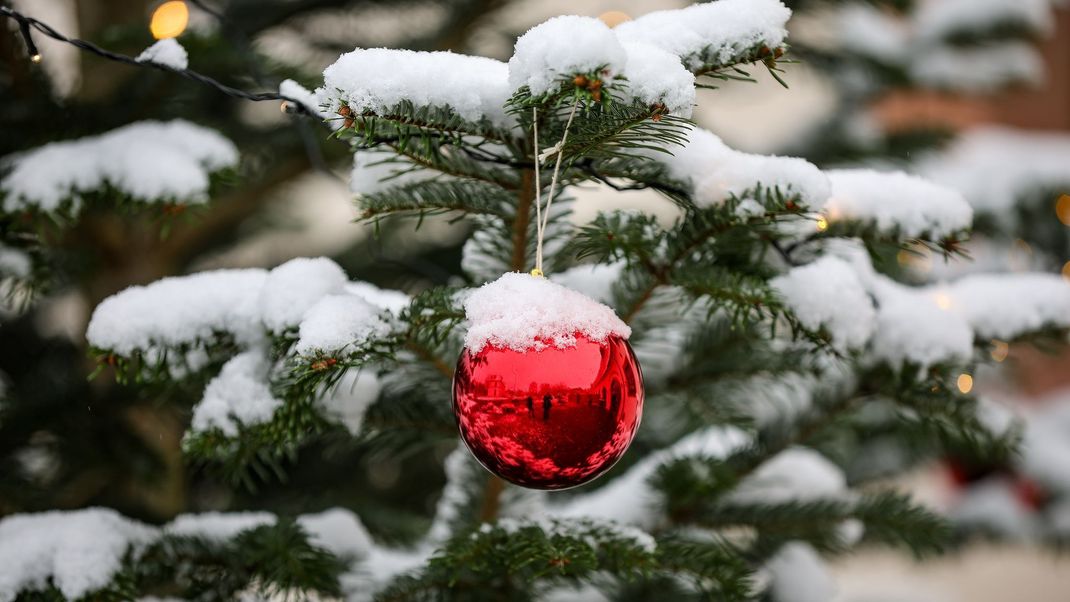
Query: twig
26, 22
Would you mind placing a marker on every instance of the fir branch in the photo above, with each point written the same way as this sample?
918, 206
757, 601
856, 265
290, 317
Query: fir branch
25, 21
433, 197
271, 559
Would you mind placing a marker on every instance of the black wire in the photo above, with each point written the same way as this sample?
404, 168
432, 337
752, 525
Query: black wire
25, 22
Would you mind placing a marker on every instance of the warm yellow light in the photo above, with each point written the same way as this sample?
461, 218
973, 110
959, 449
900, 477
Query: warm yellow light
1066, 270
36, 58
822, 224
169, 19
999, 350
614, 18
1062, 209
943, 301
919, 259
965, 383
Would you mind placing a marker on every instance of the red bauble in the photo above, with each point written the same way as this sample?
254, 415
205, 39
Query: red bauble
552, 418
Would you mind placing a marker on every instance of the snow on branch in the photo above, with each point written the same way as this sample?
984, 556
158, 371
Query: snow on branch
946, 18
83, 552
336, 322
828, 294
148, 161
1006, 306
79, 552
177, 311
941, 323
247, 305
377, 80
562, 47
897, 202
630, 499
979, 69
239, 395
716, 172
712, 34
993, 167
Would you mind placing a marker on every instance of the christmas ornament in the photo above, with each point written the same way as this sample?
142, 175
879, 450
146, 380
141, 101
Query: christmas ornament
547, 393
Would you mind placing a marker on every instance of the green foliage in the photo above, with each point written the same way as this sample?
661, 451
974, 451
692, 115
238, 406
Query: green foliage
269, 560
516, 560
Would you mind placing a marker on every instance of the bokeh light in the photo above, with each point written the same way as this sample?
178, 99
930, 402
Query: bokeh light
965, 383
169, 20
614, 18
1062, 209
999, 350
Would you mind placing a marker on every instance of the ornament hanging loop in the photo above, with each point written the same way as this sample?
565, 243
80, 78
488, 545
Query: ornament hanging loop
542, 216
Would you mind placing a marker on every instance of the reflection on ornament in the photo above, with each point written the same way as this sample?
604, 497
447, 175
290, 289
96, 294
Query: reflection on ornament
551, 418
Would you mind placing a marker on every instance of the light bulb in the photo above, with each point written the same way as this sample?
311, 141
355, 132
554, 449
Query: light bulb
169, 19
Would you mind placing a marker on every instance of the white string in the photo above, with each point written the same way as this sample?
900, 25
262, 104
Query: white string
538, 194
543, 216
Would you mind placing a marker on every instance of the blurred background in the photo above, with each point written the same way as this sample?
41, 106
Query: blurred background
972, 94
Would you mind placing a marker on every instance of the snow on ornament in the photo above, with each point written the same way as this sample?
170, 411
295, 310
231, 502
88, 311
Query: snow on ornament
547, 393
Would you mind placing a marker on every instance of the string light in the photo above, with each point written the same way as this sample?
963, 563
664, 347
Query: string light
1000, 350
169, 19
36, 58
965, 383
943, 301
1062, 209
822, 224
614, 18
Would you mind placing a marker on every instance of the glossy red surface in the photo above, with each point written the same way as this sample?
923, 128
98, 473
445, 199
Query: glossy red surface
549, 419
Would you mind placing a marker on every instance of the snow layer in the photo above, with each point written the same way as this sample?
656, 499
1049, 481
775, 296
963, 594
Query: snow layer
827, 293
351, 396
995, 505
521, 312
562, 47
14, 262
389, 300
338, 531
629, 498
655, 75
217, 526
869, 31
294, 287
994, 166
716, 171
377, 79
179, 310
239, 395
895, 201
979, 69
799, 575
336, 322
299, 93
1005, 306
796, 474
935, 20
167, 52
913, 327
150, 161
713, 32
79, 551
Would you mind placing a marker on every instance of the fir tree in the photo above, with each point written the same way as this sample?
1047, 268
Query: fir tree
771, 338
